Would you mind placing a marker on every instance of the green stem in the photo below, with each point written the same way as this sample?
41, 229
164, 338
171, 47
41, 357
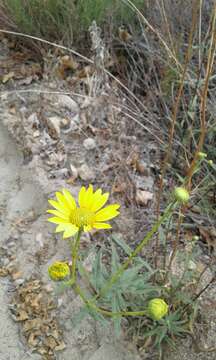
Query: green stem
107, 312
75, 249
146, 239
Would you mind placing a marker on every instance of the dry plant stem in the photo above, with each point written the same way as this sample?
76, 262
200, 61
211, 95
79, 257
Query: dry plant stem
203, 272
199, 294
142, 17
204, 93
174, 115
80, 56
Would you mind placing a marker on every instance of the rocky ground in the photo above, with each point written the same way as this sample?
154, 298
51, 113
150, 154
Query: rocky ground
49, 141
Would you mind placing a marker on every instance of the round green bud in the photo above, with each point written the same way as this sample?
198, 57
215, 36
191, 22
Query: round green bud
202, 155
210, 162
58, 270
181, 195
195, 238
157, 308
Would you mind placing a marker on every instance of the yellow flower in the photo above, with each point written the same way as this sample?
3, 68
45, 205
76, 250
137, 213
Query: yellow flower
181, 195
157, 308
58, 270
87, 216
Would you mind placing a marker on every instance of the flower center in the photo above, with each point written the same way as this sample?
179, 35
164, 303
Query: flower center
82, 217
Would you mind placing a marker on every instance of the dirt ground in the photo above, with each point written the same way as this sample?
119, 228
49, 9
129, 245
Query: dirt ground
49, 141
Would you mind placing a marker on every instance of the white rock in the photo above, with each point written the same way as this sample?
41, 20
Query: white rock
89, 144
143, 197
73, 171
86, 173
68, 103
19, 282
53, 125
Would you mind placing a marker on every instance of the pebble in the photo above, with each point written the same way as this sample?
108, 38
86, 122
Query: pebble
86, 173
19, 282
11, 244
53, 125
73, 171
68, 103
89, 144
143, 197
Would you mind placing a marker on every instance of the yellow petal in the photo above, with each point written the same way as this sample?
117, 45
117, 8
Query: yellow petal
58, 214
70, 231
57, 220
89, 197
102, 226
59, 207
99, 201
62, 201
60, 228
69, 198
109, 212
85, 197
81, 196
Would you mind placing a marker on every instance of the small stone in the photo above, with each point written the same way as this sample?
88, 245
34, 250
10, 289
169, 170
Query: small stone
39, 239
19, 282
68, 103
74, 172
86, 173
89, 144
143, 197
11, 244
16, 275
65, 123
53, 126
60, 302
36, 133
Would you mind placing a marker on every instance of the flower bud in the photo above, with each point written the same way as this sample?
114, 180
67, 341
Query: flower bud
210, 162
157, 308
202, 155
181, 195
58, 270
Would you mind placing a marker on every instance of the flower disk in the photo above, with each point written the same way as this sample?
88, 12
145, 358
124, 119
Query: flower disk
58, 271
70, 218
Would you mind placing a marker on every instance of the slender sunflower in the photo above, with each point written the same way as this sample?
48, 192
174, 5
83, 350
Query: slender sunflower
70, 218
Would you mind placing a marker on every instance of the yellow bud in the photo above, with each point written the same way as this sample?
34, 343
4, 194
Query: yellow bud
210, 162
181, 195
157, 308
58, 270
202, 155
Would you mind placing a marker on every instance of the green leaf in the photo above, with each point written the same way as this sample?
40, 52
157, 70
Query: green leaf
122, 244
115, 262
97, 316
116, 319
98, 272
